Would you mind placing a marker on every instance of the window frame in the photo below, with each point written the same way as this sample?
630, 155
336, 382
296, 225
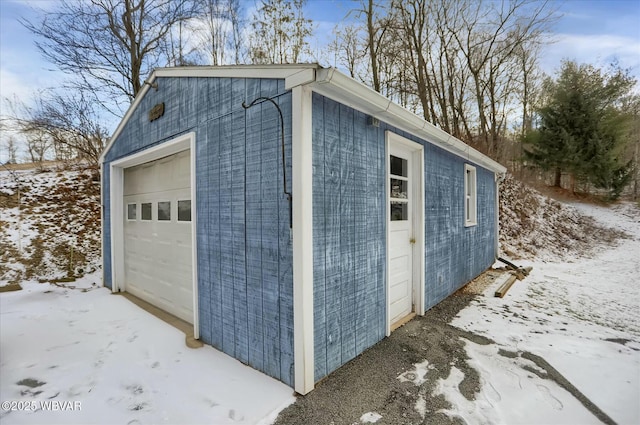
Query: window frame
396, 200
164, 220
142, 204
470, 196
178, 211
135, 211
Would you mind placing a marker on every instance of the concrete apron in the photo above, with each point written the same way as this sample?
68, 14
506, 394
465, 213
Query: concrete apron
181, 325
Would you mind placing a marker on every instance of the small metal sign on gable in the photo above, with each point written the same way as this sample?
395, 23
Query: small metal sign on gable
156, 112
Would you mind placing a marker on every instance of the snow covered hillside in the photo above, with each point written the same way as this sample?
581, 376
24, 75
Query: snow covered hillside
49, 224
536, 226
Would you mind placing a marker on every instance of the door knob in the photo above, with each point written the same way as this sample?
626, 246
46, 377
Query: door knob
412, 240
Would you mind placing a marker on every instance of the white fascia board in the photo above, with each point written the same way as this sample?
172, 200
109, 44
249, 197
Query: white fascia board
339, 87
302, 168
349, 92
305, 76
234, 71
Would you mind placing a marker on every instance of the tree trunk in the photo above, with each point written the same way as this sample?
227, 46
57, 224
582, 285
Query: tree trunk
558, 178
373, 53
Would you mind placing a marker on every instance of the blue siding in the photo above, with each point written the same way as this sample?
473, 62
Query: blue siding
245, 283
455, 254
349, 228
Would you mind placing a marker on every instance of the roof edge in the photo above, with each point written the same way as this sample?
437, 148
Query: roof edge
328, 82
334, 84
293, 74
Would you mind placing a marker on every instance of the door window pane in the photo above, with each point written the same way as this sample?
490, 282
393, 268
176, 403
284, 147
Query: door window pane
184, 210
398, 166
398, 188
399, 211
131, 211
145, 210
164, 211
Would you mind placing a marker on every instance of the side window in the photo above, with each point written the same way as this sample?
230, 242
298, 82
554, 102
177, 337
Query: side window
145, 210
131, 211
164, 211
470, 196
184, 210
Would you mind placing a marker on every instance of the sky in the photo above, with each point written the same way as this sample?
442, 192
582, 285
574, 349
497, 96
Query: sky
589, 31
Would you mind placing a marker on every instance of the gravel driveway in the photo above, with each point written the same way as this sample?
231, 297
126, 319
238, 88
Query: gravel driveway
369, 385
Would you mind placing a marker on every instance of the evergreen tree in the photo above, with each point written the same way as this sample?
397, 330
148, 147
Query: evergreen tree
583, 126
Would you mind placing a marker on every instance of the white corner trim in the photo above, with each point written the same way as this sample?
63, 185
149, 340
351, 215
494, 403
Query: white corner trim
116, 208
420, 232
498, 181
102, 227
194, 236
302, 166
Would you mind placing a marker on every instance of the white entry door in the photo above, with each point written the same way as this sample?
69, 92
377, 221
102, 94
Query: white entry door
401, 235
405, 230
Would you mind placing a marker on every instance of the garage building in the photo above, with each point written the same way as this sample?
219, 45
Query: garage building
293, 215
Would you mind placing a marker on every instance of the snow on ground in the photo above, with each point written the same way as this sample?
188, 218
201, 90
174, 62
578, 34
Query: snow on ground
109, 361
582, 317
510, 394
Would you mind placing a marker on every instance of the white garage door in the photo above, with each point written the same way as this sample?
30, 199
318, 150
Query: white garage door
157, 234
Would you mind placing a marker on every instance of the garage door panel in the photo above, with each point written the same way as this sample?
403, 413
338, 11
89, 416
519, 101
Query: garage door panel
158, 254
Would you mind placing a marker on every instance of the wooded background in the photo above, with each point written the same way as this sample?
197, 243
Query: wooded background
471, 67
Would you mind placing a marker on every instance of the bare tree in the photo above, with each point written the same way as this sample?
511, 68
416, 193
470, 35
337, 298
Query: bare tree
12, 150
280, 32
221, 32
67, 124
456, 62
108, 45
528, 94
346, 48
180, 46
38, 144
489, 39
378, 22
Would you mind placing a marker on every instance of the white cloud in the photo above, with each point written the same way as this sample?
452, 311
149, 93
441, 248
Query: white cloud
599, 50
